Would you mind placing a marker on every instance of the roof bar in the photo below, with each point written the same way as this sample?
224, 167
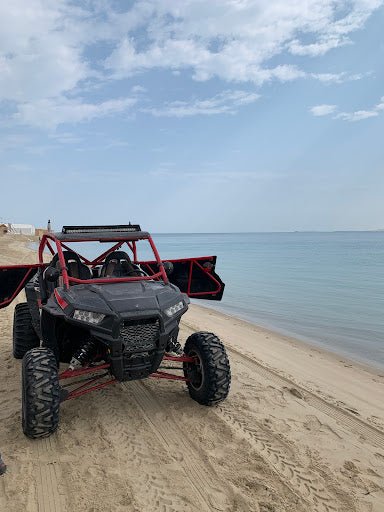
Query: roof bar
118, 228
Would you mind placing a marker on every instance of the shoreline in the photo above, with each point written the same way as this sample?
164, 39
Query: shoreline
303, 341
314, 368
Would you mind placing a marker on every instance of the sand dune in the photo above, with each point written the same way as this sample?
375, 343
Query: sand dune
301, 430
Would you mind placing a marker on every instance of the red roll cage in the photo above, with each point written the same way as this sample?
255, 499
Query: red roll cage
130, 240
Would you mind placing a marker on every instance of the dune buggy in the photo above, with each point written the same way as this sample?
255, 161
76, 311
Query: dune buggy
111, 318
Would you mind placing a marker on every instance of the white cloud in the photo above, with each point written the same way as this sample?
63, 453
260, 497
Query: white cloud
336, 78
380, 105
235, 40
40, 56
51, 113
66, 138
227, 102
358, 115
137, 89
50, 51
323, 110
236, 63
319, 48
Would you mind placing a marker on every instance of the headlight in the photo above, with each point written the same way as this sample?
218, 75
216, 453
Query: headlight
174, 309
88, 316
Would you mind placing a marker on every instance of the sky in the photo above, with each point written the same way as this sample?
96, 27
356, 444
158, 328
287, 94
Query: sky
193, 116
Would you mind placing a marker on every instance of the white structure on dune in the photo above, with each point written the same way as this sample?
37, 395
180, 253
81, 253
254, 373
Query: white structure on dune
22, 229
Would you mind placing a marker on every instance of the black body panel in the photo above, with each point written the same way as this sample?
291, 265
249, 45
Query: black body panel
12, 280
32, 293
194, 276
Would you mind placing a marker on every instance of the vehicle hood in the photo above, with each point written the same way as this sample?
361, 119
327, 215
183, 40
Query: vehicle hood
123, 298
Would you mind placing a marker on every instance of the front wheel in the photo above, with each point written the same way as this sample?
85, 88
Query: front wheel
41, 393
209, 378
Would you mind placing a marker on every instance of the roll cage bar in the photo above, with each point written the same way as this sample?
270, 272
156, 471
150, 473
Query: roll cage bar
49, 239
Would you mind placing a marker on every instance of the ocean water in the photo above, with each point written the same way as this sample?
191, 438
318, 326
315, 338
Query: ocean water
323, 288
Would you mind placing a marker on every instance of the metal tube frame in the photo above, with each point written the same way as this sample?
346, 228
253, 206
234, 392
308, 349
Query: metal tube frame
88, 385
67, 280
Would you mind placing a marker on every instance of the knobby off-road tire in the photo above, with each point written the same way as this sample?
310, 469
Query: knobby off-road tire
210, 377
41, 393
24, 335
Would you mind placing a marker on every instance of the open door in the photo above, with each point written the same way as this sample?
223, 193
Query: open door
194, 276
13, 278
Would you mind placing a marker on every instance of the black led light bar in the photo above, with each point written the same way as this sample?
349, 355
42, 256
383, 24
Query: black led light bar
119, 228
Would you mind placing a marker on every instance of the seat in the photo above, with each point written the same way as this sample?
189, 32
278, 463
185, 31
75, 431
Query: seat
118, 264
75, 267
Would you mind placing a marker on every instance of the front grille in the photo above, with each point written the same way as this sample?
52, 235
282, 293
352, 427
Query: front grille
140, 335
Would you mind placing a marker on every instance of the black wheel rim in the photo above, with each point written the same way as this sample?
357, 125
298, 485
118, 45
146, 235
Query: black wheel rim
195, 371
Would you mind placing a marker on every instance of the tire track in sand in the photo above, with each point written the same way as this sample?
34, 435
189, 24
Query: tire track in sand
354, 424
45, 451
202, 478
139, 456
303, 482
306, 484
49, 497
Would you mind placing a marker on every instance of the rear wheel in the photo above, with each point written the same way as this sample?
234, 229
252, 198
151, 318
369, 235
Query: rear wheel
41, 393
209, 378
24, 335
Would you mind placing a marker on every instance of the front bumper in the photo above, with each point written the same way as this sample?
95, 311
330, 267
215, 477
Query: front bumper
140, 346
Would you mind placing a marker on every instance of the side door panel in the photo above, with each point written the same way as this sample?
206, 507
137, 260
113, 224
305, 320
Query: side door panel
13, 278
194, 276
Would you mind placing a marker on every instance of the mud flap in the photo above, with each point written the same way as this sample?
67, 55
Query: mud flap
13, 278
194, 276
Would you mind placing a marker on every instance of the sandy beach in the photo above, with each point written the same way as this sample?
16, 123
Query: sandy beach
302, 430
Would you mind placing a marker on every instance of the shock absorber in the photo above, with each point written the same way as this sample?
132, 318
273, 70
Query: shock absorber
83, 355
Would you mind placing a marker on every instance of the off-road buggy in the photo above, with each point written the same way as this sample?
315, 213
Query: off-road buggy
111, 318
